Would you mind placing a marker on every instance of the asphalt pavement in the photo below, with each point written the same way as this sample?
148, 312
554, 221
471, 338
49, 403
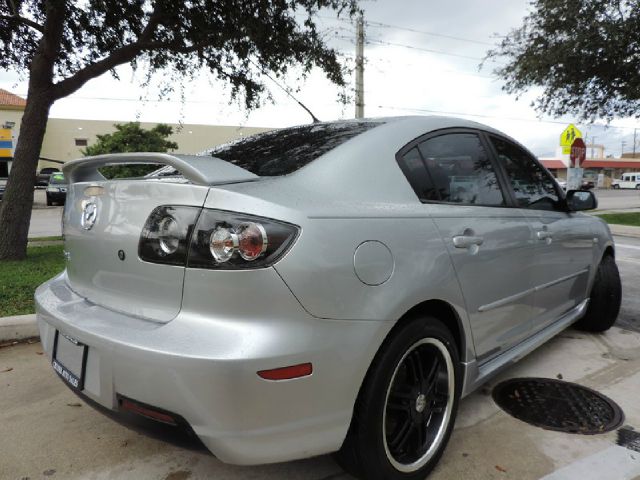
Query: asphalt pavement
628, 259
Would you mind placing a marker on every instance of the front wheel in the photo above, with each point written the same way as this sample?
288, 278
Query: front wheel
638, 187
605, 298
407, 405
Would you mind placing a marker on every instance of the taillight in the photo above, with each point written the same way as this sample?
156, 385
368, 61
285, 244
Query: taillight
166, 233
232, 241
220, 239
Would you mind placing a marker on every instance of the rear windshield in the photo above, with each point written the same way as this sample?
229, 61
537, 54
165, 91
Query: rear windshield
284, 151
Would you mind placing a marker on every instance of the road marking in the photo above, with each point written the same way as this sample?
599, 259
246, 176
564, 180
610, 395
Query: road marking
626, 245
614, 462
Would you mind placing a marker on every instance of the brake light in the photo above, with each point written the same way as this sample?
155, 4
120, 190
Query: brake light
233, 241
204, 238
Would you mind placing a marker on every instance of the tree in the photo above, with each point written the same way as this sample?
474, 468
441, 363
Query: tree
62, 44
130, 137
585, 54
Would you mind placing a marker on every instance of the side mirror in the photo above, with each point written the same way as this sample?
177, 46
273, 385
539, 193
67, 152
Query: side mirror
578, 200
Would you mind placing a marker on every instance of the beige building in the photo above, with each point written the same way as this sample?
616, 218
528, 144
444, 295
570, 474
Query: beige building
66, 138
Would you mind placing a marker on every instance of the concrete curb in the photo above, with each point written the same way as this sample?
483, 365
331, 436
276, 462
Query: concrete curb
18, 328
625, 230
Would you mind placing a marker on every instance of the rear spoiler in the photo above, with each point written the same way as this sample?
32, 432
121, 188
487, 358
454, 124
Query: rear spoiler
201, 170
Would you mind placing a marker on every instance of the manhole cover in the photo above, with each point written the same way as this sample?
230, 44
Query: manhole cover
557, 405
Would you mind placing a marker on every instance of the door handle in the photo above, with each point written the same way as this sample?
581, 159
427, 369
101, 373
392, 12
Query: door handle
466, 241
544, 235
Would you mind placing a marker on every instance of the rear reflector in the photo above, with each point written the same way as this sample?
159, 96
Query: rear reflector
146, 412
287, 373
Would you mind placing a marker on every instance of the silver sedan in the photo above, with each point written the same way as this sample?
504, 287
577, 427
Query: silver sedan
334, 287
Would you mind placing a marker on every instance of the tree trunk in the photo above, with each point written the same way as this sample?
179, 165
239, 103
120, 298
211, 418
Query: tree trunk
15, 208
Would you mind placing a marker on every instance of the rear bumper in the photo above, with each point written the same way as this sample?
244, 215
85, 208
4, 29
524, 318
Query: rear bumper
203, 368
57, 196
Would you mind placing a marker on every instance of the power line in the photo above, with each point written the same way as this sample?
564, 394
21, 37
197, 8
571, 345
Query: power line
518, 119
413, 30
427, 50
423, 32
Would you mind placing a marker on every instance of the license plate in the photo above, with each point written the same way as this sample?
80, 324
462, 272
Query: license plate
69, 359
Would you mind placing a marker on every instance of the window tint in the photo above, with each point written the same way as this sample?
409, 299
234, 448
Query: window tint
281, 152
457, 169
532, 186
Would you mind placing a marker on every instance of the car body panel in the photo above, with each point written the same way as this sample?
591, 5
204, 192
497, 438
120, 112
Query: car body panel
499, 311
564, 260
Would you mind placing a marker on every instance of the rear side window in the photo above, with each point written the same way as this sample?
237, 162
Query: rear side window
453, 168
284, 151
532, 186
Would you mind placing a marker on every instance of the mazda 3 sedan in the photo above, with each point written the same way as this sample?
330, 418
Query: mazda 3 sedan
335, 287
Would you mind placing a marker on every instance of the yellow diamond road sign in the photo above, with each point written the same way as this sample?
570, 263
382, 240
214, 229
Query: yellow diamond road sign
567, 137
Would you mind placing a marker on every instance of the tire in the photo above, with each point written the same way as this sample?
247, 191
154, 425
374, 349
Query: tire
605, 298
638, 187
615, 187
388, 424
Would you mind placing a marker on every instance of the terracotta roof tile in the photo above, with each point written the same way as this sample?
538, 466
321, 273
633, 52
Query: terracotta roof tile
8, 99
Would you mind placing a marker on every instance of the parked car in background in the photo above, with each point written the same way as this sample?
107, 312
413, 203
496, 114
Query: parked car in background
56, 189
330, 287
561, 182
42, 178
587, 184
628, 180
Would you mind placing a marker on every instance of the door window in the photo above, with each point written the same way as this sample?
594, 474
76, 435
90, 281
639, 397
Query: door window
453, 168
532, 186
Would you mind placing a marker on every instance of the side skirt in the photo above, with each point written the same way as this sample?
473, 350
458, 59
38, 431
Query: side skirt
476, 374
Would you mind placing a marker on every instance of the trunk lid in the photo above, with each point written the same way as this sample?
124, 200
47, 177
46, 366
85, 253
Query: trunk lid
102, 262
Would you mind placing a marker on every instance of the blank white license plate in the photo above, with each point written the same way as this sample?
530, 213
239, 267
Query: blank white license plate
69, 359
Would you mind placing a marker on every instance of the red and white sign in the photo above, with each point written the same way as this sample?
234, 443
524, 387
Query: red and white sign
578, 153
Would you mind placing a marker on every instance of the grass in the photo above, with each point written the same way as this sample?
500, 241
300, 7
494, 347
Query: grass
632, 219
46, 239
18, 280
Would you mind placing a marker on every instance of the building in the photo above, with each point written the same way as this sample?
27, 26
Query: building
611, 168
65, 138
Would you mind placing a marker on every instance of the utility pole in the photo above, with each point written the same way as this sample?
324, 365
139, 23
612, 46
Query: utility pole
622, 148
593, 144
635, 131
360, 67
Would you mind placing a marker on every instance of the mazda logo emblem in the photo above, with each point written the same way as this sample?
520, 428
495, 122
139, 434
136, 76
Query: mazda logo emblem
89, 215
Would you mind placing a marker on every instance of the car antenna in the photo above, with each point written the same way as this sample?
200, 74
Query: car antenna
288, 92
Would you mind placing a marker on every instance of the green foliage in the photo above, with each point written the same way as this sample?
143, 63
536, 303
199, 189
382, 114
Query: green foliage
19, 279
235, 40
131, 137
584, 54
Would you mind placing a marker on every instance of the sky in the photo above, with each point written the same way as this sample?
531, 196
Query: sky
421, 58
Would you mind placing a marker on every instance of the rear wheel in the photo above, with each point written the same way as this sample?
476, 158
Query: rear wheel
638, 187
615, 187
605, 298
407, 405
